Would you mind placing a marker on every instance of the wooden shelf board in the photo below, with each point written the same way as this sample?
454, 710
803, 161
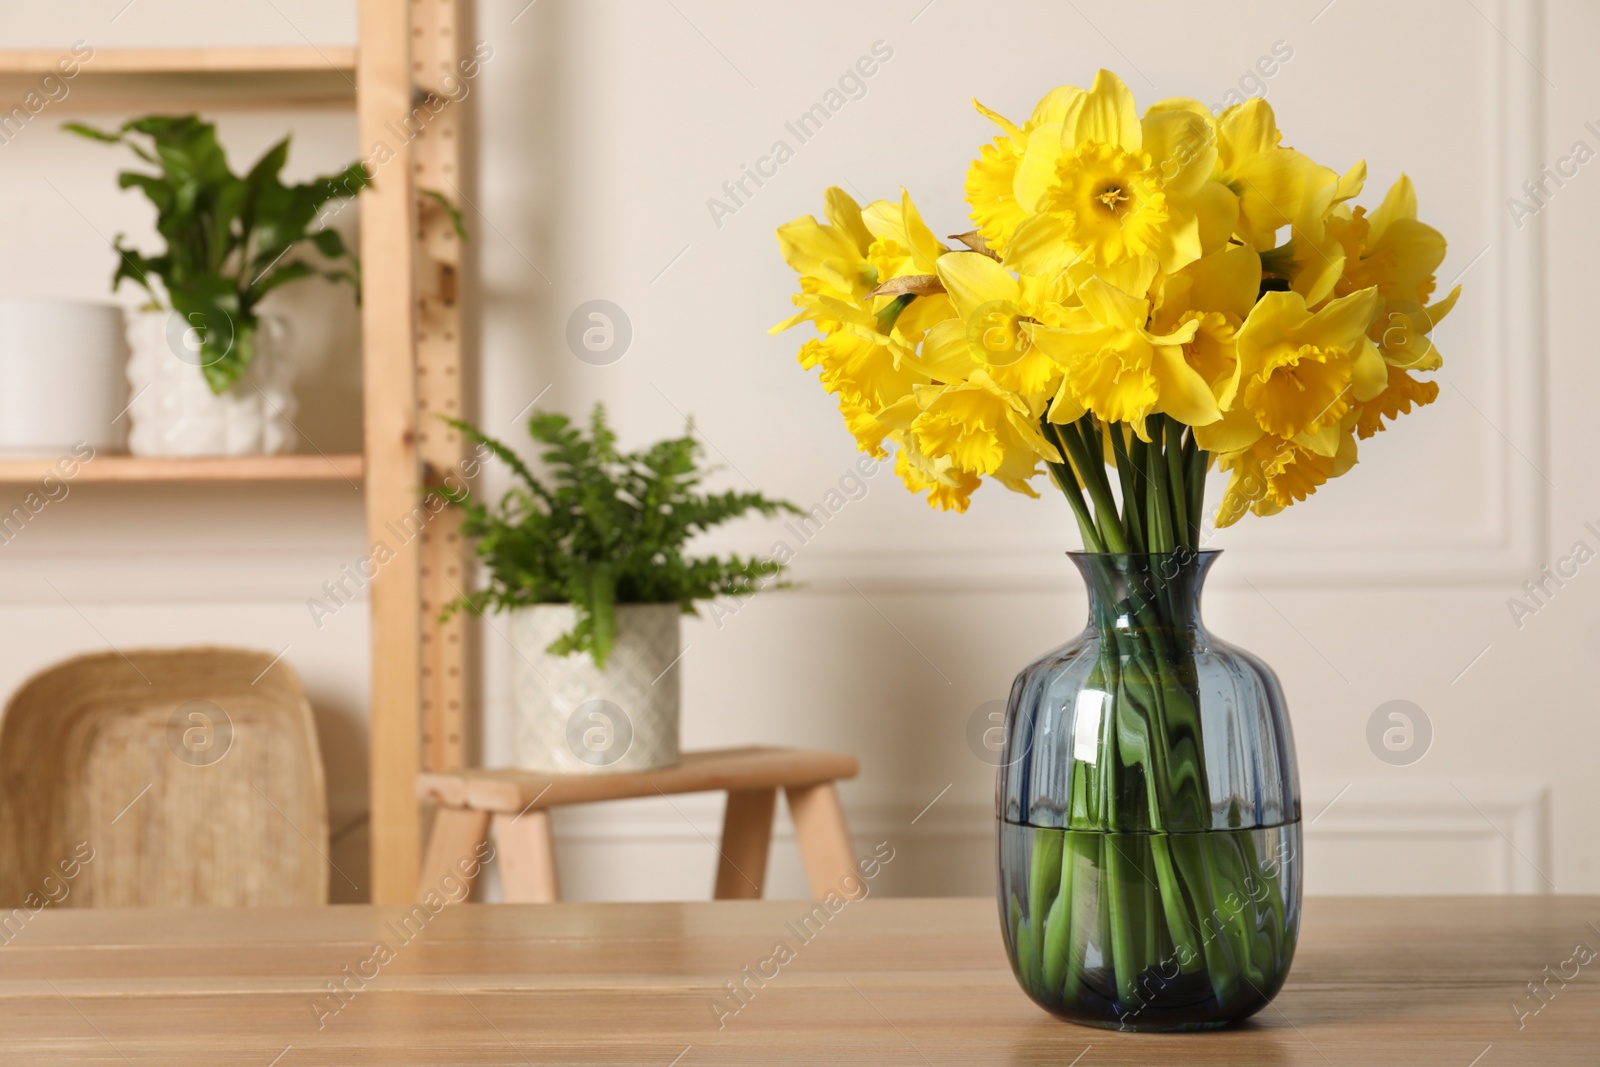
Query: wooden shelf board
184, 60
116, 468
130, 80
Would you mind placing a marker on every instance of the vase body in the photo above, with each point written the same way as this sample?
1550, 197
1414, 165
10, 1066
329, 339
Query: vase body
571, 717
1149, 812
175, 413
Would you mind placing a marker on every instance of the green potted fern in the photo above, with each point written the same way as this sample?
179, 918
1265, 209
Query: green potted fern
590, 564
209, 371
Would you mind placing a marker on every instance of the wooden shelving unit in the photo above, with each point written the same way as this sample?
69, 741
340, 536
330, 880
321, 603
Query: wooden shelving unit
410, 330
114, 468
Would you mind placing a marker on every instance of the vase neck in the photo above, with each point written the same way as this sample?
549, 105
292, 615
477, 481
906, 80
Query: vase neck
1141, 590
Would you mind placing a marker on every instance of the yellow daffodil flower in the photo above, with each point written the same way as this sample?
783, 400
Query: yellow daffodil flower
1393, 251
1005, 182
991, 326
1275, 185
979, 427
1301, 370
1400, 394
1216, 293
948, 489
1172, 289
1115, 367
1272, 474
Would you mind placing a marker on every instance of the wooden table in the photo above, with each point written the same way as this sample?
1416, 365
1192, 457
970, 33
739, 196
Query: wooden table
517, 803
1386, 981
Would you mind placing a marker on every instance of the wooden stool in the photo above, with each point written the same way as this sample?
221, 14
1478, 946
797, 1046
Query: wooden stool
517, 803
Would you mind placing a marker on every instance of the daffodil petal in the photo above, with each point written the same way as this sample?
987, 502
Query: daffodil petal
1236, 430
1184, 394
1400, 202
945, 354
1228, 281
1341, 322
900, 414
1036, 171
1065, 408
1325, 442
845, 215
973, 279
1011, 129
1039, 246
1369, 375
1351, 183
1106, 113
1183, 144
925, 247
1217, 211
1112, 306
1054, 105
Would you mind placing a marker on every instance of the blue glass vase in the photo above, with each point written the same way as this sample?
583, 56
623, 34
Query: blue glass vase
1149, 812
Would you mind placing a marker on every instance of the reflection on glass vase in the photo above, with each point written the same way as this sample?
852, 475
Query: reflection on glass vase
175, 413
1149, 812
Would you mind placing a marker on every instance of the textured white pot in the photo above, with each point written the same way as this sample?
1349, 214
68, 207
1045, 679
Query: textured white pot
572, 718
60, 375
174, 411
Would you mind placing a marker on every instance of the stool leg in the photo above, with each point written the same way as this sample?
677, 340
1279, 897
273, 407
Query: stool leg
746, 837
453, 851
824, 841
527, 856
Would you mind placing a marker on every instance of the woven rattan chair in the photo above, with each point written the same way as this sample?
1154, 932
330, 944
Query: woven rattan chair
174, 777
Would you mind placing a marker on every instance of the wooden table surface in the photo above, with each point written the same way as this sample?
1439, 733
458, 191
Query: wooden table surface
1378, 981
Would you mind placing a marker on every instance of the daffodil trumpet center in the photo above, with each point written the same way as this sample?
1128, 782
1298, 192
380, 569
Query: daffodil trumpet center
1113, 197
1302, 390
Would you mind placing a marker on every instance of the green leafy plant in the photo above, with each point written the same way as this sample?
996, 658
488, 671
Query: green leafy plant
228, 237
605, 528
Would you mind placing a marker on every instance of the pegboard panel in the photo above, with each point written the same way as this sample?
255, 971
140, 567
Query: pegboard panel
440, 86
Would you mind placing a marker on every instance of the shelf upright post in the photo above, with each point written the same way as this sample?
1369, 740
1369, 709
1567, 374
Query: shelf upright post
384, 106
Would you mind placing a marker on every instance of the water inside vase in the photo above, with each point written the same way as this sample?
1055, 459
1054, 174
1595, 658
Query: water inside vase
1109, 928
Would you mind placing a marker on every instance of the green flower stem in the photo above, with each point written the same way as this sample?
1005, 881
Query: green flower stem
1179, 484
1195, 463
1138, 451
1157, 503
1123, 964
1099, 490
1128, 476
1068, 483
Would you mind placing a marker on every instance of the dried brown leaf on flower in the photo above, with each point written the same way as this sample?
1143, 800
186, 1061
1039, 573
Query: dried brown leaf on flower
915, 284
974, 240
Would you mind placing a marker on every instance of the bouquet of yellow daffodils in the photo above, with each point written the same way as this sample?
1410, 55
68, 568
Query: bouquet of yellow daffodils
1151, 294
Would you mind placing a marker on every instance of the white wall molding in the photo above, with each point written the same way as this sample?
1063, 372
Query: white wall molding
197, 577
1468, 835
1488, 835
696, 819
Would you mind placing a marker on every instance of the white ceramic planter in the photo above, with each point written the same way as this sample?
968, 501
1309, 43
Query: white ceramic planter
571, 718
174, 411
60, 376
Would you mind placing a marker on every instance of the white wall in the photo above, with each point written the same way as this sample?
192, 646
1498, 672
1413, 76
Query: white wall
602, 130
